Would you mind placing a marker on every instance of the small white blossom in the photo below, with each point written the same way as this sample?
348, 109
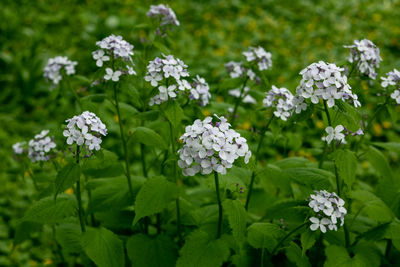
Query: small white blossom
246, 98
200, 90
100, 57
393, 79
40, 146
164, 12
366, 55
324, 81
112, 75
235, 69
259, 55
19, 148
329, 207
52, 71
282, 100
85, 130
334, 134
167, 69
211, 147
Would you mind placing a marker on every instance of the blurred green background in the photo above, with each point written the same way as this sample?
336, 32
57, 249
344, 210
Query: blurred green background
212, 33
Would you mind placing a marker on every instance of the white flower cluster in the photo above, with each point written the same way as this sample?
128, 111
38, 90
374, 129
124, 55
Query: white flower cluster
236, 70
86, 130
52, 71
393, 78
19, 148
324, 81
164, 68
200, 91
40, 146
366, 55
259, 55
116, 47
334, 134
282, 100
329, 208
247, 98
211, 147
164, 12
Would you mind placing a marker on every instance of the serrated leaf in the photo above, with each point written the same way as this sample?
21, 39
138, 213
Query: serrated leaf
294, 254
159, 251
103, 247
307, 240
314, 178
174, 113
150, 115
50, 211
264, 235
69, 235
237, 218
346, 163
149, 137
374, 207
66, 177
202, 251
293, 162
154, 196
391, 146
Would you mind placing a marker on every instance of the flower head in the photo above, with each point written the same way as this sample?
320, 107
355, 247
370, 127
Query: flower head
393, 79
259, 55
200, 90
209, 146
329, 207
40, 146
366, 55
19, 148
52, 71
165, 13
282, 100
85, 130
170, 69
324, 81
334, 134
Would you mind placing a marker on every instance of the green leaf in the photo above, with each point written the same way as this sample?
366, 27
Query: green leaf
292, 162
202, 251
103, 247
112, 193
237, 218
391, 146
294, 254
338, 256
66, 177
159, 251
68, 235
104, 164
149, 137
379, 162
307, 240
150, 115
314, 178
154, 196
374, 207
264, 235
174, 113
51, 211
346, 163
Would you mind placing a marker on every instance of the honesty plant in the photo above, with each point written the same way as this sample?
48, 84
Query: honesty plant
56, 66
281, 99
40, 146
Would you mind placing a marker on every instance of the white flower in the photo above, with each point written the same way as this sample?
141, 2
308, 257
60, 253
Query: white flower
324, 81
393, 78
131, 71
396, 96
52, 71
259, 55
117, 47
235, 69
170, 69
366, 55
85, 130
211, 147
246, 98
112, 75
100, 57
329, 207
166, 14
282, 100
321, 224
200, 91
40, 146
19, 148
335, 134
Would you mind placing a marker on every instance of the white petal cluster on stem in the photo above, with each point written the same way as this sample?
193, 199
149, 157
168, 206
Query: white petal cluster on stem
40, 146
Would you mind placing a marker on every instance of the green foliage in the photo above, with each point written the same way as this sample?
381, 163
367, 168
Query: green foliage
308, 239
149, 137
237, 218
346, 163
66, 177
69, 236
200, 250
264, 235
103, 247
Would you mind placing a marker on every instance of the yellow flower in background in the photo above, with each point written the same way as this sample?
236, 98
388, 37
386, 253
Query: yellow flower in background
364, 85
206, 112
26, 174
376, 17
319, 124
365, 164
48, 261
116, 118
377, 129
386, 124
245, 126
220, 99
69, 191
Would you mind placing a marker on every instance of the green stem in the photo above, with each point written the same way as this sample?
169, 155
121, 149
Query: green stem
219, 205
74, 93
253, 175
238, 100
262, 257
327, 113
175, 170
78, 195
287, 236
388, 248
